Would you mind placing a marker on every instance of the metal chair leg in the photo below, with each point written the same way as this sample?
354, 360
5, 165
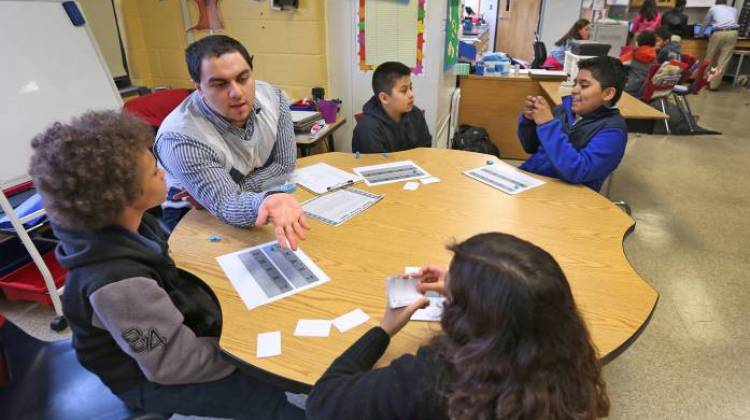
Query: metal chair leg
664, 110
684, 114
623, 206
737, 70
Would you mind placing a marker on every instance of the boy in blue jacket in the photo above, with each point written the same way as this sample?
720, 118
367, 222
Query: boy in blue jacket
583, 140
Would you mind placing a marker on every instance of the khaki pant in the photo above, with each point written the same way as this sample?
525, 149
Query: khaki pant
720, 50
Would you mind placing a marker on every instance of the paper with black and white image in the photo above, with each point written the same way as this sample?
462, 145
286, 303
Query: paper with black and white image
434, 311
402, 291
387, 173
506, 179
339, 206
322, 177
266, 273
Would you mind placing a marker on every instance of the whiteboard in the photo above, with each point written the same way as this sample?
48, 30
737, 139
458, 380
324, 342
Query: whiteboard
52, 71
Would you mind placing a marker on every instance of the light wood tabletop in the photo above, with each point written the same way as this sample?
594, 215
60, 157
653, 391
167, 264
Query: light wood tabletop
581, 229
630, 107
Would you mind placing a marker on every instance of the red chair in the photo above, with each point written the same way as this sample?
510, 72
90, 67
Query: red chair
358, 117
154, 107
689, 61
660, 90
681, 91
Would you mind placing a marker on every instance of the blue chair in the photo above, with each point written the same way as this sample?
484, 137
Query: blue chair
45, 381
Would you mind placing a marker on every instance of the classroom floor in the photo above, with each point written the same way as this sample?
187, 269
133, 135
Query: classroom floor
687, 194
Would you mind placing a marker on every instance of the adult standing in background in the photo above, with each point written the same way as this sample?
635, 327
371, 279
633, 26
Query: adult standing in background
676, 19
648, 18
723, 18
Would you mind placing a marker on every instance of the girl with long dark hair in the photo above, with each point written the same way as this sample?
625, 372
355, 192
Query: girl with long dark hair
581, 29
512, 346
648, 18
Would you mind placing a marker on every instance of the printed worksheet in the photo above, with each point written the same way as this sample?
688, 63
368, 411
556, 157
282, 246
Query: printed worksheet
390, 172
506, 179
266, 273
339, 206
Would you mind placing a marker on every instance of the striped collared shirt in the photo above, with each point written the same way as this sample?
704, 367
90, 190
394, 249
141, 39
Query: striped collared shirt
231, 196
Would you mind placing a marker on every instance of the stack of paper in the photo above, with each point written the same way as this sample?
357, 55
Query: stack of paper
304, 120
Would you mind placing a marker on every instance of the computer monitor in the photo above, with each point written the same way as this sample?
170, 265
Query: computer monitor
589, 48
570, 66
698, 30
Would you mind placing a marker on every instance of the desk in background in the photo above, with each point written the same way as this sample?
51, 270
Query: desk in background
639, 115
580, 228
305, 142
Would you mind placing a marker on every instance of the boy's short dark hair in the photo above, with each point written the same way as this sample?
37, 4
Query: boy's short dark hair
386, 74
212, 46
663, 32
647, 38
87, 171
608, 71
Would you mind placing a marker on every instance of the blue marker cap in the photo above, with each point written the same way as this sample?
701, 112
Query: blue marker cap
356, 155
214, 238
385, 155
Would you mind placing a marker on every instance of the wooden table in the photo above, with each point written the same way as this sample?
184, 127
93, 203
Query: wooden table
630, 107
581, 229
494, 103
639, 116
305, 141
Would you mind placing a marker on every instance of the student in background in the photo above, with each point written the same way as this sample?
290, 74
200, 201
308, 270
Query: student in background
513, 346
648, 18
676, 20
390, 121
148, 330
583, 140
721, 45
580, 30
230, 143
640, 62
667, 45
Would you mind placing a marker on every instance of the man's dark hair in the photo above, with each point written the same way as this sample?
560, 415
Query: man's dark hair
718, 2
608, 71
647, 38
386, 75
212, 46
663, 32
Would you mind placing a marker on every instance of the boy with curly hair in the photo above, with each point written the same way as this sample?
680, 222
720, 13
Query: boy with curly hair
148, 330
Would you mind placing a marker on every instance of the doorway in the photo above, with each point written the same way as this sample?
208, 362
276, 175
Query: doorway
517, 22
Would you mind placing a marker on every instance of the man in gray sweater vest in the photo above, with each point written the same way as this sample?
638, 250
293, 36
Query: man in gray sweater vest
229, 143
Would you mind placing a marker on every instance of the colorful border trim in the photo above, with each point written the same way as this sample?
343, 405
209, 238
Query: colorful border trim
363, 66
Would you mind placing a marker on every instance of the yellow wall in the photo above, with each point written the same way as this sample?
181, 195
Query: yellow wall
289, 47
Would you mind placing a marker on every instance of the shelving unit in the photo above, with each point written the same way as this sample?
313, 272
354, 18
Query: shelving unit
58, 323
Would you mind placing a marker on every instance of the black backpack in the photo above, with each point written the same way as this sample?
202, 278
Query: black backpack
474, 139
540, 53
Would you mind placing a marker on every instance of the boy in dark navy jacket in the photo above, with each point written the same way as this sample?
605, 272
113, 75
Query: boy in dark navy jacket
390, 121
582, 140
148, 330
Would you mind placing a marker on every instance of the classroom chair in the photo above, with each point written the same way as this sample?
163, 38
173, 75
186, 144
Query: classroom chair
660, 91
44, 380
681, 91
689, 61
154, 107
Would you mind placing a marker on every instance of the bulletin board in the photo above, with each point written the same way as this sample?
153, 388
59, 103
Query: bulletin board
389, 30
452, 31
